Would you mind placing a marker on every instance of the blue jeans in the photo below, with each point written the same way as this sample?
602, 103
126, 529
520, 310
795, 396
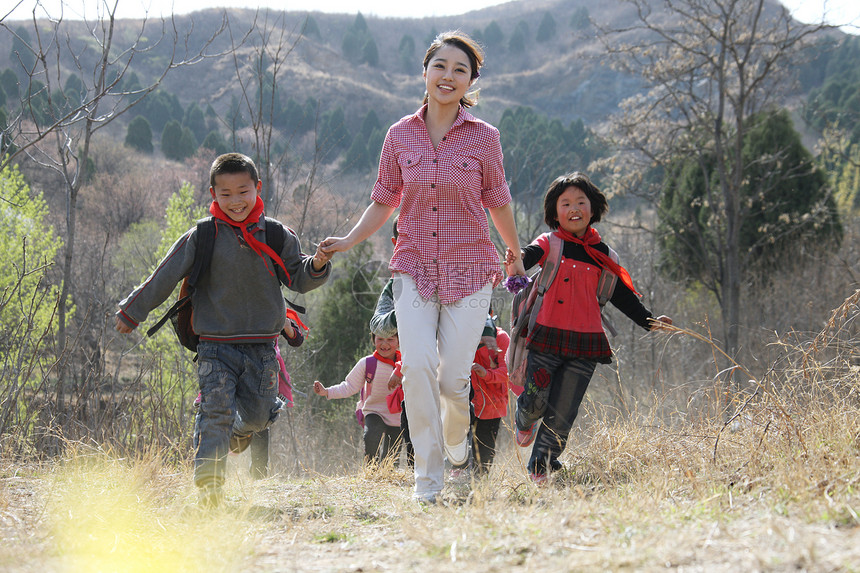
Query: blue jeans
553, 391
239, 395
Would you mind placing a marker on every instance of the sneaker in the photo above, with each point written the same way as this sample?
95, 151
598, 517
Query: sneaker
458, 455
427, 498
539, 479
239, 444
525, 438
197, 400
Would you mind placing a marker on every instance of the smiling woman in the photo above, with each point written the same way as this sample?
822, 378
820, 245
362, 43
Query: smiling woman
443, 168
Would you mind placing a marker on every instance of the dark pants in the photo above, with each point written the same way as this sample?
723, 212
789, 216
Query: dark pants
554, 390
260, 454
380, 440
404, 429
484, 434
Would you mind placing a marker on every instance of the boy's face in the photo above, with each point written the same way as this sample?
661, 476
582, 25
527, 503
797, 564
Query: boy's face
386, 346
236, 194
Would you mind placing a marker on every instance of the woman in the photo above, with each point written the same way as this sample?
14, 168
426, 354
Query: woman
442, 167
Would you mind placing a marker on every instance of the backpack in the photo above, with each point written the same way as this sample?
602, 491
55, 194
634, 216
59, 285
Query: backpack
182, 311
369, 372
527, 303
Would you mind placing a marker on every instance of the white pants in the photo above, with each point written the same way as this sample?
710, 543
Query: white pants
437, 343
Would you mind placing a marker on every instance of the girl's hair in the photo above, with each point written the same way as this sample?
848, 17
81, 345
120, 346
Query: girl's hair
473, 51
232, 163
599, 204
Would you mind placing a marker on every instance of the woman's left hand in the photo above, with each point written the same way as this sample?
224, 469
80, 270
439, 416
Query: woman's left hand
515, 268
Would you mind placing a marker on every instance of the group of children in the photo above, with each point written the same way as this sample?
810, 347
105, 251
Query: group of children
443, 169
240, 367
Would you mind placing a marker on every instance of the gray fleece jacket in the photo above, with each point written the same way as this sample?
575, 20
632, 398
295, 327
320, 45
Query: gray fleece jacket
239, 299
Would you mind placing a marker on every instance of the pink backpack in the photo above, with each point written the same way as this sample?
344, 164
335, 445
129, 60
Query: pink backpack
369, 373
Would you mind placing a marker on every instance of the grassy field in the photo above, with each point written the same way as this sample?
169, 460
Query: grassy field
770, 483
769, 495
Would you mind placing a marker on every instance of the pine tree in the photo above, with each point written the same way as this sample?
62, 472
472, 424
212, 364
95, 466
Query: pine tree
139, 135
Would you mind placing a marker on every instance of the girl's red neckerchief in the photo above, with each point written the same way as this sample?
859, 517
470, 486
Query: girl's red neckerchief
590, 238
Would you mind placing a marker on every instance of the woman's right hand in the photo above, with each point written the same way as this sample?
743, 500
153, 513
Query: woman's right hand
332, 245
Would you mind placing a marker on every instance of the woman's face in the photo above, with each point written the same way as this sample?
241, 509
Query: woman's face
448, 75
573, 210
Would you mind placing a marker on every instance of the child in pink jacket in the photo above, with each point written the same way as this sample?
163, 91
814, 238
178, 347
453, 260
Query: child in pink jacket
382, 436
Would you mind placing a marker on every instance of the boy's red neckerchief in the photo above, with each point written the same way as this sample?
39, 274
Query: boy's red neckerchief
388, 361
592, 237
257, 246
294, 316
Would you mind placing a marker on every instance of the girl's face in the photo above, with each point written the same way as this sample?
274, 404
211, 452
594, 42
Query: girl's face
573, 209
448, 75
386, 346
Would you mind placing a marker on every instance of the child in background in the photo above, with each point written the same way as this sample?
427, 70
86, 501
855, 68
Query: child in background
381, 428
568, 340
489, 393
239, 312
384, 323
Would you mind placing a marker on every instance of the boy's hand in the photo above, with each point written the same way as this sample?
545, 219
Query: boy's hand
394, 381
122, 326
292, 330
661, 322
479, 370
321, 258
319, 389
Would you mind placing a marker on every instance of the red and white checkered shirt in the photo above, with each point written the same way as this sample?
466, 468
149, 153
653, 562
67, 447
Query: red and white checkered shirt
443, 236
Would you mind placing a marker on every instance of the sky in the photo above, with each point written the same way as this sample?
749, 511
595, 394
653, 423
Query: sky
810, 11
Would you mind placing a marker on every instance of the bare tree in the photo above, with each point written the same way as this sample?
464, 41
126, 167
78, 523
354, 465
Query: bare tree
710, 67
260, 57
55, 129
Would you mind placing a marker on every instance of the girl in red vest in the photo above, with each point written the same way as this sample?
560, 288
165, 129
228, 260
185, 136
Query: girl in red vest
568, 340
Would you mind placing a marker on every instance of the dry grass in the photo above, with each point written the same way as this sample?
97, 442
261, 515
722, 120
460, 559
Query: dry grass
774, 486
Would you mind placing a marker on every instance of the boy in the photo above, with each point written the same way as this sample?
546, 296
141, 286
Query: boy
238, 312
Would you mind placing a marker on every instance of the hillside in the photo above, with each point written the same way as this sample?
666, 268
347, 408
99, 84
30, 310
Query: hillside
560, 74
